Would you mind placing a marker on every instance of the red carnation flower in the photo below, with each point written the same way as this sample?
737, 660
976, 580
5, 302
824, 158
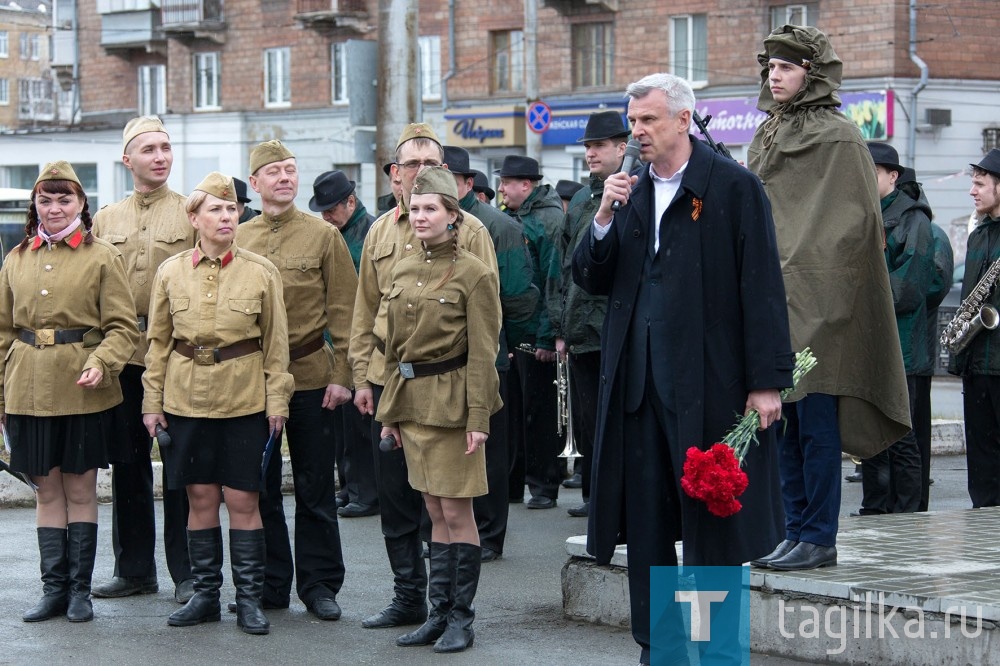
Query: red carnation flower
714, 477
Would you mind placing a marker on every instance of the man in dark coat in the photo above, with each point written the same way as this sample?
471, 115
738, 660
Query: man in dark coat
684, 348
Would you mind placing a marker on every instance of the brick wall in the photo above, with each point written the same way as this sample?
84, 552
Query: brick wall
13, 68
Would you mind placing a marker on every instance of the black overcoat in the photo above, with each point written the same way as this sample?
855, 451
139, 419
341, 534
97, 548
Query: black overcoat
724, 301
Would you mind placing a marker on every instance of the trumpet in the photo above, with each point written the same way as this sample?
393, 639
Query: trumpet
564, 408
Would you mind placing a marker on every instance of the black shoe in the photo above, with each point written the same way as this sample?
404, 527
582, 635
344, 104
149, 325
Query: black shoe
356, 510
489, 555
783, 549
266, 605
121, 586
325, 608
395, 615
581, 511
806, 556
183, 591
854, 477
342, 500
55, 575
540, 502
575, 481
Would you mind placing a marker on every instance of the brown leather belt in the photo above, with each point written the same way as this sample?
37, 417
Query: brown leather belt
210, 356
306, 349
45, 337
411, 370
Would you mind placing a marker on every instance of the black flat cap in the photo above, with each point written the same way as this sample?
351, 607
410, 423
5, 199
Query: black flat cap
519, 166
990, 163
482, 184
241, 190
329, 189
604, 125
567, 188
457, 160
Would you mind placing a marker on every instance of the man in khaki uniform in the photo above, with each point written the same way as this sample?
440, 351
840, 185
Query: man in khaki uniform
147, 227
390, 239
318, 282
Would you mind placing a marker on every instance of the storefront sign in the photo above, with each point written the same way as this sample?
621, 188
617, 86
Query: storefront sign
484, 127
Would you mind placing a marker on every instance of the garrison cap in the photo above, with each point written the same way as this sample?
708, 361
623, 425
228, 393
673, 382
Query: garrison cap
61, 170
417, 131
141, 125
266, 153
436, 180
218, 185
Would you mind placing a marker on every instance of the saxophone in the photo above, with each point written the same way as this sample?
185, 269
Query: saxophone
973, 315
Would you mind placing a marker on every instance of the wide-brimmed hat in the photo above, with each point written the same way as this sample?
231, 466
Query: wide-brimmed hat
567, 188
329, 189
519, 166
457, 160
482, 184
990, 163
241, 190
604, 125
886, 156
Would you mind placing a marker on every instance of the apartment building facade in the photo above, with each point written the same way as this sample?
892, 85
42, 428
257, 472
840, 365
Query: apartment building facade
226, 74
28, 93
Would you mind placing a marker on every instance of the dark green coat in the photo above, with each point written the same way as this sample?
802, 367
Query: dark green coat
518, 296
354, 233
909, 256
580, 317
982, 356
541, 216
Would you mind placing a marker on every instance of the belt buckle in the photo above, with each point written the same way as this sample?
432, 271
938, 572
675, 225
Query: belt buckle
204, 356
406, 370
45, 337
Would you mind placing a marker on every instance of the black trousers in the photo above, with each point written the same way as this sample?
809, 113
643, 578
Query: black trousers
339, 449
922, 429
399, 504
133, 522
358, 463
513, 405
584, 381
491, 509
319, 560
544, 469
982, 438
891, 480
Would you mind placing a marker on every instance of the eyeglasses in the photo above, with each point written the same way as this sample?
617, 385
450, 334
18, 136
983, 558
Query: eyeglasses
413, 165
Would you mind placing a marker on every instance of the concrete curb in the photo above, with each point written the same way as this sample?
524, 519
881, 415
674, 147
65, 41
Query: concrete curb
15, 493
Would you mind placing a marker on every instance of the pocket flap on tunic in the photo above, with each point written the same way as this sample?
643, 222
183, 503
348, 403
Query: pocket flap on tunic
302, 263
382, 250
449, 296
179, 304
396, 291
245, 305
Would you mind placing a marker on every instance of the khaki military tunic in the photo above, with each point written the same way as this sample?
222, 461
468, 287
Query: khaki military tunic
216, 303
319, 281
147, 228
390, 240
68, 285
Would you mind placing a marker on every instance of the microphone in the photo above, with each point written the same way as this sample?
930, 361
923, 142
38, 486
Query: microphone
632, 149
387, 444
162, 436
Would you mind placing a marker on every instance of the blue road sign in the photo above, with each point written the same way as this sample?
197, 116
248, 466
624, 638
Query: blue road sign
539, 117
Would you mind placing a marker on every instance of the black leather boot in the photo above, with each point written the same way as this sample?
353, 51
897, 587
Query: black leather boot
205, 552
408, 605
247, 554
55, 575
459, 634
439, 594
81, 550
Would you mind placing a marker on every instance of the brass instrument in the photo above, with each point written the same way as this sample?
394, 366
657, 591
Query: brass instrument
564, 408
973, 315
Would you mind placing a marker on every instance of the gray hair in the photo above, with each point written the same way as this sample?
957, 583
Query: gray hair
680, 97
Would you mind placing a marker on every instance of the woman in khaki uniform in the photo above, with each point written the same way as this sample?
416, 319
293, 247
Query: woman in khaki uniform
217, 377
67, 327
442, 387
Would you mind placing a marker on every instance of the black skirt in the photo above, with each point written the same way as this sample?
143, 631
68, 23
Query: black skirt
228, 452
75, 443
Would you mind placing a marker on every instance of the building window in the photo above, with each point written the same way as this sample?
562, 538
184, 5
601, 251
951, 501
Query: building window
206, 81
24, 46
34, 43
801, 14
278, 77
4, 44
4, 92
507, 60
36, 99
123, 181
338, 73
152, 90
593, 54
430, 68
689, 48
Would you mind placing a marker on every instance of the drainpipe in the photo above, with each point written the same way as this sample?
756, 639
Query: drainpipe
912, 139
451, 56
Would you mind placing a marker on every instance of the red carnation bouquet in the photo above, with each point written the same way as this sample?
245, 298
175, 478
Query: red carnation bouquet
714, 476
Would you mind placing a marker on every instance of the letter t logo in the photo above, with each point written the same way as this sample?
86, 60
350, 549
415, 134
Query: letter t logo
701, 602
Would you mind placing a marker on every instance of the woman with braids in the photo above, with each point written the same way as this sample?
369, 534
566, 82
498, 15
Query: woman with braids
442, 387
67, 327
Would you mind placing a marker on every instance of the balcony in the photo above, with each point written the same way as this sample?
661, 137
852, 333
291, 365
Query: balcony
568, 6
337, 13
124, 31
36, 101
203, 19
